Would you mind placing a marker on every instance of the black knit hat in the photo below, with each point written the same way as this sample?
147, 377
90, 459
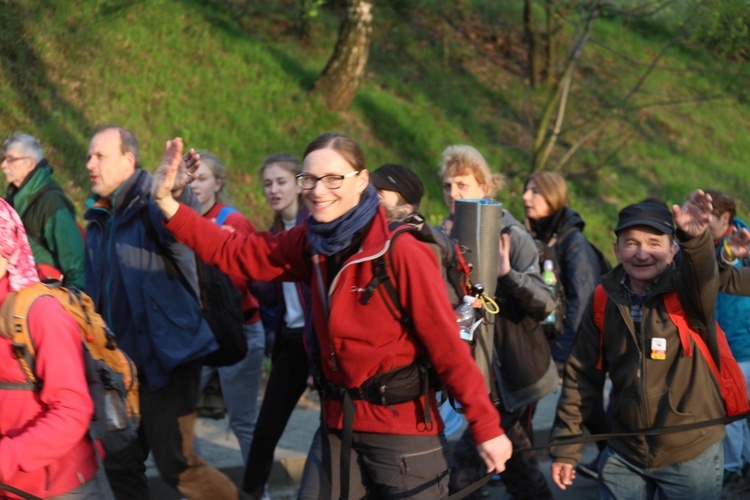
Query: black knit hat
398, 178
648, 214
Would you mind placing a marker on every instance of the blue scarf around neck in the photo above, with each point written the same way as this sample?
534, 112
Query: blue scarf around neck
328, 238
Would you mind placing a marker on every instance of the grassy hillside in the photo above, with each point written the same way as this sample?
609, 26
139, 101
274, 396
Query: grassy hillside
232, 77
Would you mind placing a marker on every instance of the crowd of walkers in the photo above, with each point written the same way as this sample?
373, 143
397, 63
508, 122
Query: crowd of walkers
364, 318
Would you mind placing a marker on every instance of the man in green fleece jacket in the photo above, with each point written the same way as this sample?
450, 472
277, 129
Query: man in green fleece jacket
46, 212
658, 380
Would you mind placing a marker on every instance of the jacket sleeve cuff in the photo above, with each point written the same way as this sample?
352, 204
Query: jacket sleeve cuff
483, 435
179, 219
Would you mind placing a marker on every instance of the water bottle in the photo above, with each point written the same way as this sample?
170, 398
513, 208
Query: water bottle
548, 275
465, 318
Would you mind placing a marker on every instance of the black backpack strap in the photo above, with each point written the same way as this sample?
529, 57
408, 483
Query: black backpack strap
382, 277
16, 491
346, 445
170, 265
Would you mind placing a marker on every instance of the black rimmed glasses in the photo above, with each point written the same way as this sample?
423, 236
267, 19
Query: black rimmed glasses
331, 181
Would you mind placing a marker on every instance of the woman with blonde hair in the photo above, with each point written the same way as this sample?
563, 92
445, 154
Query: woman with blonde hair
292, 327
527, 373
239, 382
465, 175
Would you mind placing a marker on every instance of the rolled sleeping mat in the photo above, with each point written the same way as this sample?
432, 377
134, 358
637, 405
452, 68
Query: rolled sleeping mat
476, 225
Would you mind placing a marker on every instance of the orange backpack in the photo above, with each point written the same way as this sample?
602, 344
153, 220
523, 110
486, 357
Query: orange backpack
729, 376
110, 373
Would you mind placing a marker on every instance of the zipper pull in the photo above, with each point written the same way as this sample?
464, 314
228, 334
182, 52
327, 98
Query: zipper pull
334, 365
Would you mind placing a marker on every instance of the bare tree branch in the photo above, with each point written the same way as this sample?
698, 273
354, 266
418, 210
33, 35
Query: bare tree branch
556, 91
673, 102
636, 62
615, 112
558, 123
647, 9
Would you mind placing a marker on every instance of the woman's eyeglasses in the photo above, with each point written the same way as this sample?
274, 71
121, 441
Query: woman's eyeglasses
331, 181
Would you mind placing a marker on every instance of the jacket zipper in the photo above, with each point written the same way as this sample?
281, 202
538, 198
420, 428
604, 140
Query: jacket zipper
327, 296
640, 374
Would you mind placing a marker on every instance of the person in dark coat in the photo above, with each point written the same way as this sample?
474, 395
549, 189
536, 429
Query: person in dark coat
524, 365
545, 198
550, 220
46, 211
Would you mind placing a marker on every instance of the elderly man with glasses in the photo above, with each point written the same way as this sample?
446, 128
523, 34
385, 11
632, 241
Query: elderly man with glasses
46, 211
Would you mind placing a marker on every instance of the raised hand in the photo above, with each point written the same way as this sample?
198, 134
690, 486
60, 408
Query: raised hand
503, 257
692, 218
166, 179
192, 162
737, 244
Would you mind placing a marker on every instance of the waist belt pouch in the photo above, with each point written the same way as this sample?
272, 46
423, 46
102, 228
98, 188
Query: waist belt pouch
396, 386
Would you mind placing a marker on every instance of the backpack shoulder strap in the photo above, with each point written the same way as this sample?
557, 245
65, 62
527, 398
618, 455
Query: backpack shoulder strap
38, 196
382, 276
600, 304
225, 212
677, 315
36, 233
14, 324
172, 268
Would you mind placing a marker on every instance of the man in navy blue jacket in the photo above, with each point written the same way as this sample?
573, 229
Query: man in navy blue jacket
156, 319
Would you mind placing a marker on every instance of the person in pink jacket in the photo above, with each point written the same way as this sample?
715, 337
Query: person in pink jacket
395, 449
45, 450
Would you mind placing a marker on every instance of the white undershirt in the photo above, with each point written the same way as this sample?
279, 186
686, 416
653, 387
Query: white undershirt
294, 316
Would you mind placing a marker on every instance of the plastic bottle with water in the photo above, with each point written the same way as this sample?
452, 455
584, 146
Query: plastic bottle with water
548, 275
465, 318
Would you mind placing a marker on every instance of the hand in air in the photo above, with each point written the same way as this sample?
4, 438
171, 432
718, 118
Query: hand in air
503, 257
174, 173
693, 216
738, 244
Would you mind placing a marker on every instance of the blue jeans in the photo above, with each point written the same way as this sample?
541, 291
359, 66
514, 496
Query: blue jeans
96, 488
700, 478
737, 440
239, 386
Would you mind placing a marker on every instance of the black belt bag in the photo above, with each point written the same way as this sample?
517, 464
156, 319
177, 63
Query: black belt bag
393, 387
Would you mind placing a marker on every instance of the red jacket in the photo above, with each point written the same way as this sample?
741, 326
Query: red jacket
44, 447
363, 339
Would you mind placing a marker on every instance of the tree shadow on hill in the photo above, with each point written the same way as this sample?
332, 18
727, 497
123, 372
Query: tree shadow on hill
223, 17
61, 123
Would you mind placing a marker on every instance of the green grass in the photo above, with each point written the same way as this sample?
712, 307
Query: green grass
231, 77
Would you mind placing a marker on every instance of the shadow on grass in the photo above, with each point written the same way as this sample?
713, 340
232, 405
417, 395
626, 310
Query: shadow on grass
63, 124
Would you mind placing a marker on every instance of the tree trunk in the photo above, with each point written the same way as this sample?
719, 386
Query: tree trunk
532, 42
339, 82
545, 138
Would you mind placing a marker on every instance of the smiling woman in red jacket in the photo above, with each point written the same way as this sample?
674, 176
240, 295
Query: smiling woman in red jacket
44, 447
394, 448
